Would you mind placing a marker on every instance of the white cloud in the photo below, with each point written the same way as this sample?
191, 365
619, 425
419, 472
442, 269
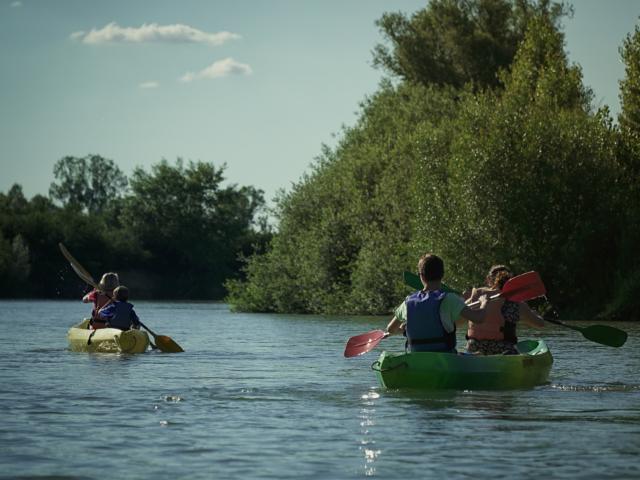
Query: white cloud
221, 68
150, 84
152, 32
16, 4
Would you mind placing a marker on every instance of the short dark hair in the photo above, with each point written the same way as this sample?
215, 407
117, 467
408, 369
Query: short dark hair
121, 293
431, 267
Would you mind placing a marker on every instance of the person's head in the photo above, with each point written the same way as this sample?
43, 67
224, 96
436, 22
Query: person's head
431, 267
121, 293
109, 282
498, 276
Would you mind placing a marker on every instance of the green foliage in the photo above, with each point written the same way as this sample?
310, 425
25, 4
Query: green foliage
630, 85
455, 42
177, 234
344, 229
625, 303
525, 174
15, 264
192, 227
88, 183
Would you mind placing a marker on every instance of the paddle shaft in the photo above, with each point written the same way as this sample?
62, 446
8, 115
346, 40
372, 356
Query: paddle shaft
558, 322
478, 302
147, 328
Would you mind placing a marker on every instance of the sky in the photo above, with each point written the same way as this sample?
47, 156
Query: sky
257, 85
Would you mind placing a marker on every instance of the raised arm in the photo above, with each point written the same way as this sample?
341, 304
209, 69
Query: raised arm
395, 326
530, 317
477, 315
89, 297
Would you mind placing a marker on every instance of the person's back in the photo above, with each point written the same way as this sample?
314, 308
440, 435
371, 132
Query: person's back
424, 330
101, 297
120, 314
497, 334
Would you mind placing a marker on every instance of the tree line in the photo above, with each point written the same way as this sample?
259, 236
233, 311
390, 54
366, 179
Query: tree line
175, 231
482, 145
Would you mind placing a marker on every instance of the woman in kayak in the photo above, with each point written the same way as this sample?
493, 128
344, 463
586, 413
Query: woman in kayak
101, 297
497, 334
120, 313
429, 316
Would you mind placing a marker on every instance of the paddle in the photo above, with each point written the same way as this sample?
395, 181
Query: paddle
521, 288
363, 343
366, 342
163, 342
518, 289
602, 334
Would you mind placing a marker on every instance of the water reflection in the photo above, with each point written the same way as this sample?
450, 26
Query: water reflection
367, 421
613, 387
457, 401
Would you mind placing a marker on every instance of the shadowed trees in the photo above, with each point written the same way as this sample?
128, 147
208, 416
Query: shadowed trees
487, 150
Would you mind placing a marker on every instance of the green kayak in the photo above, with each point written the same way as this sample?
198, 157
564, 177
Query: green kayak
431, 370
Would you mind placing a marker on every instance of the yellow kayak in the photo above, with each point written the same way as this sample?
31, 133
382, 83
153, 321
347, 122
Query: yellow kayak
106, 340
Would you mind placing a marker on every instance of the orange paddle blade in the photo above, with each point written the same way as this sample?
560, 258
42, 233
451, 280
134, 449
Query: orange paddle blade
363, 343
524, 287
166, 344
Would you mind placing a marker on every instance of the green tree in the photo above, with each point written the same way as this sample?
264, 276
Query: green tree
15, 265
30, 232
625, 302
630, 86
454, 42
512, 174
344, 229
525, 174
88, 183
191, 226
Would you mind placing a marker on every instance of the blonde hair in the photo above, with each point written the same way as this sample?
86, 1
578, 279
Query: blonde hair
109, 281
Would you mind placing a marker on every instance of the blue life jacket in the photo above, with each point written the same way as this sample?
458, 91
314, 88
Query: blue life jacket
123, 316
424, 330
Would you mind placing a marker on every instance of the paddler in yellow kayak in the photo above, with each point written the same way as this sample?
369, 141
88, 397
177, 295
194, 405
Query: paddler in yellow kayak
101, 297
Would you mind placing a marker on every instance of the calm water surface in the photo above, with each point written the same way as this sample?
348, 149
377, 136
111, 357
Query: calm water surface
270, 396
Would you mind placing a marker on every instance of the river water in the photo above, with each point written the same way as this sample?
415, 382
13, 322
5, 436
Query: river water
271, 396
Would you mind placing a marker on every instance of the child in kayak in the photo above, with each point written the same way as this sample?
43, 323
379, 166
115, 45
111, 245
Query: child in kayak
497, 335
429, 316
101, 297
120, 313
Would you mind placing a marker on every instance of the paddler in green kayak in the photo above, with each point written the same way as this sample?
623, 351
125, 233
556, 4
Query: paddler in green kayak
497, 334
428, 317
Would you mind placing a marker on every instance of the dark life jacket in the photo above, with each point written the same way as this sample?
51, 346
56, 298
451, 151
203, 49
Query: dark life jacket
424, 331
123, 317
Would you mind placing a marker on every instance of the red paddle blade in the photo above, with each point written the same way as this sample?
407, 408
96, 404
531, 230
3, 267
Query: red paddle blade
524, 287
363, 343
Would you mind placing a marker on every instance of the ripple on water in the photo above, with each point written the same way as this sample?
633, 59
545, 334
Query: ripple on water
616, 387
275, 398
172, 398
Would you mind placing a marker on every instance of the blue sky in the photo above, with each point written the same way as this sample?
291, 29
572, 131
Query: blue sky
258, 85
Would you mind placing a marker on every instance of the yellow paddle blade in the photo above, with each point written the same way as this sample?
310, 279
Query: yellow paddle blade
166, 344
